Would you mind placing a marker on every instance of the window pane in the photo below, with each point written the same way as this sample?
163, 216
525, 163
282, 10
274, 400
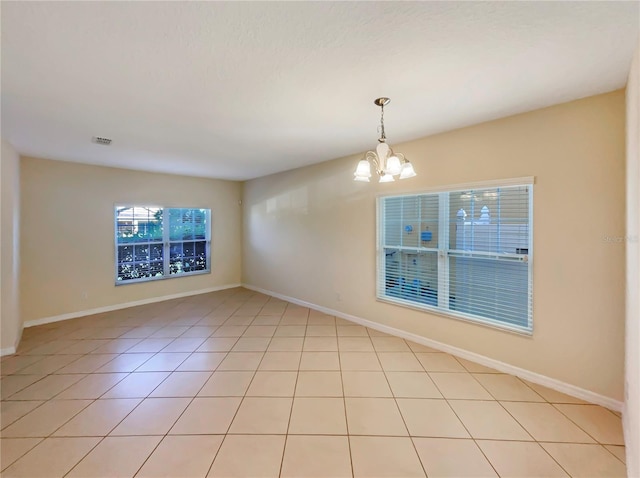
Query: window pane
139, 224
140, 247
490, 220
411, 276
491, 288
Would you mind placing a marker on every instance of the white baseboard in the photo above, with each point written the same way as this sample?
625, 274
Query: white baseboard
124, 305
12, 350
7, 351
534, 377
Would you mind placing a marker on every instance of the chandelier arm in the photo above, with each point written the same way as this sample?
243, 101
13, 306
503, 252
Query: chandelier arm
372, 156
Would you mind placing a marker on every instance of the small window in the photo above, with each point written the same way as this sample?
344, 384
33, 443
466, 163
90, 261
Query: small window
157, 243
464, 253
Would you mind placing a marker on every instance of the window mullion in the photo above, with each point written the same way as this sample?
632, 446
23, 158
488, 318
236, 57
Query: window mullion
165, 242
443, 245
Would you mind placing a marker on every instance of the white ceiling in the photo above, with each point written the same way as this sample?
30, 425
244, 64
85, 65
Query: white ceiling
238, 90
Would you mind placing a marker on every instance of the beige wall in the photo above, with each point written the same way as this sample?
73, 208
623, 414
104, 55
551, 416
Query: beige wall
10, 319
310, 234
68, 234
631, 418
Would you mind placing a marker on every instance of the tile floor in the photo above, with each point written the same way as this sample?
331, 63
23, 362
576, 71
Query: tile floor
235, 383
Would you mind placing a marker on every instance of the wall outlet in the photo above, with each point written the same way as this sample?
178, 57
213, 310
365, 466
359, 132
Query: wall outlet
338, 297
85, 295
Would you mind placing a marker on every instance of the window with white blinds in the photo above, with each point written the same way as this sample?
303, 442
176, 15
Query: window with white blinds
466, 253
157, 243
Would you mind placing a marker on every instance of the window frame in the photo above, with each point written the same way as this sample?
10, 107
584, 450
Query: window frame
166, 243
443, 249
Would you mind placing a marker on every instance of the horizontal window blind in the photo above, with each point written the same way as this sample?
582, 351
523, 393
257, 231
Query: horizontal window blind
155, 243
465, 253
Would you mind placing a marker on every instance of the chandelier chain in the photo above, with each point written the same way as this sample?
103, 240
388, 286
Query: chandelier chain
382, 135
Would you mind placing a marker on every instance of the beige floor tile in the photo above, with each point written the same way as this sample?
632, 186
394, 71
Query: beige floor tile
507, 387
45, 419
412, 385
154, 416
92, 386
12, 449
116, 346
440, 362
488, 420
251, 344
266, 320
12, 411
290, 330
459, 386
326, 320
217, 344
399, 362
597, 421
207, 416
52, 458
286, 344
184, 344
249, 456
87, 363
181, 384
51, 348
321, 330
320, 344
230, 331
227, 384
352, 330
14, 383
475, 367
50, 364
181, 456
280, 361
48, 387
115, 457
545, 423
374, 416
246, 321
446, 457
365, 361
419, 347
140, 333
430, 418
553, 396
378, 457
378, 333
292, 321
316, 456
319, 384
241, 361
618, 451
99, 418
355, 344
262, 416
150, 345
163, 362
520, 459
273, 384
199, 331
169, 332
585, 461
202, 362
365, 384
389, 344
260, 331
318, 416
137, 385
320, 361
15, 363
125, 363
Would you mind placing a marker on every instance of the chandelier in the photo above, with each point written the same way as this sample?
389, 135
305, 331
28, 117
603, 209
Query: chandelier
388, 164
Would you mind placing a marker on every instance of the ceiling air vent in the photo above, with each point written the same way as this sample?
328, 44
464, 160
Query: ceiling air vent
101, 140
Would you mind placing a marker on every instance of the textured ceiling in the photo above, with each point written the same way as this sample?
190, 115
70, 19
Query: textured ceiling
238, 90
